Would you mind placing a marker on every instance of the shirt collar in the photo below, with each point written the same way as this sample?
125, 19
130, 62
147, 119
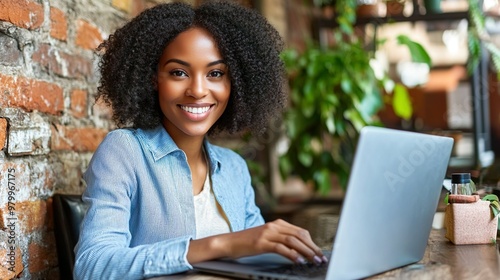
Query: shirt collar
214, 155
160, 144
157, 141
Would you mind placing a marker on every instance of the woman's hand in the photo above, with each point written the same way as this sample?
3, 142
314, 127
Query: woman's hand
279, 237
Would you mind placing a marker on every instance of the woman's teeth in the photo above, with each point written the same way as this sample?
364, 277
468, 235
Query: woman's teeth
195, 110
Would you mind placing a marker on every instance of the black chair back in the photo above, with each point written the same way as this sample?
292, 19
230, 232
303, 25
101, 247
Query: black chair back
69, 211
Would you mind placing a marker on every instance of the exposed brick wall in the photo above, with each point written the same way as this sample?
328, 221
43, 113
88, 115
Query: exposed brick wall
25, 14
49, 124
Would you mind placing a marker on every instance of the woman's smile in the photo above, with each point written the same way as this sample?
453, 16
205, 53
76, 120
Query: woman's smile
196, 112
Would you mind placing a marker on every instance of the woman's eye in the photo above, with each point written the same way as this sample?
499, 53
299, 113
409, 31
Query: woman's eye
216, 74
178, 73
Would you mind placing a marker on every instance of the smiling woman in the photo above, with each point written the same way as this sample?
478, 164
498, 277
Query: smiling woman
162, 197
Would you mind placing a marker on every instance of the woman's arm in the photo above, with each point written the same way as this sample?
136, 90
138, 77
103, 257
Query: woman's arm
105, 249
278, 237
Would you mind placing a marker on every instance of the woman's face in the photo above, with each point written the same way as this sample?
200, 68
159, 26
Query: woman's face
193, 84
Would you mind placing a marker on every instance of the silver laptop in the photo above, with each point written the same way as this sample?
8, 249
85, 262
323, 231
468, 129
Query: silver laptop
386, 217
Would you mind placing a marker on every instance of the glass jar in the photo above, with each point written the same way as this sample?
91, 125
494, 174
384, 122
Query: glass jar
461, 184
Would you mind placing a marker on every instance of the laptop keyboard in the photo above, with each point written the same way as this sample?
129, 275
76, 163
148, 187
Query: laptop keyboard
301, 270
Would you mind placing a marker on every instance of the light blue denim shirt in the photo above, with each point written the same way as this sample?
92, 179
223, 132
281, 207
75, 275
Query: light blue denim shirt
141, 213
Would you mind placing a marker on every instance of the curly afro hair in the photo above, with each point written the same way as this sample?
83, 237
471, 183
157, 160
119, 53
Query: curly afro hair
249, 45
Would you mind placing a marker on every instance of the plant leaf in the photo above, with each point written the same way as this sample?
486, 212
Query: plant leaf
305, 158
401, 102
322, 179
474, 45
490, 197
495, 211
495, 55
495, 204
370, 105
417, 51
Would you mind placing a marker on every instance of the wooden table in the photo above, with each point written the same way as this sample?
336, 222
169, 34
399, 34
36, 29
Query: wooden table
442, 260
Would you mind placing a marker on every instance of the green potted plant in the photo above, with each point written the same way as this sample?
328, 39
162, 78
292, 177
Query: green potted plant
334, 93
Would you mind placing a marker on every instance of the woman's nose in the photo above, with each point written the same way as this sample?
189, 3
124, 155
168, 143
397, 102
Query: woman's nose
198, 88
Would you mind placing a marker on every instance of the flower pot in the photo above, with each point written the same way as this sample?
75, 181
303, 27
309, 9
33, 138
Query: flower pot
394, 7
367, 10
470, 223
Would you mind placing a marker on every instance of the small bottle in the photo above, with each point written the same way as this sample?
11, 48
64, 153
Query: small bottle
461, 184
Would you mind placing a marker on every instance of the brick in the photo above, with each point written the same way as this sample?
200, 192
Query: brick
28, 141
78, 103
10, 54
124, 5
14, 176
23, 13
31, 95
63, 64
45, 97
79, 139
16, 264
59, 140
3, 133
42, 178
88, 35
78, 66
58, 24
50, 214
42, 255
31, 139
32, 215
28, 216
49, 58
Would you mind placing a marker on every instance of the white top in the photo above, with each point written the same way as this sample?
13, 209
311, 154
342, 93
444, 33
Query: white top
210, 218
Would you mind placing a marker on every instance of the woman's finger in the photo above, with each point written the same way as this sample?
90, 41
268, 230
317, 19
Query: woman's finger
301, 234
297, 240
